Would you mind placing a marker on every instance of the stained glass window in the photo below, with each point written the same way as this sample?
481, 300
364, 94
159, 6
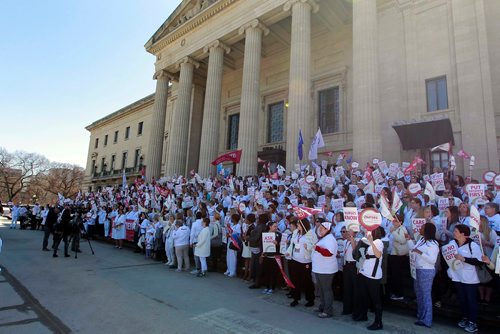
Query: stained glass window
275, 122
329, 110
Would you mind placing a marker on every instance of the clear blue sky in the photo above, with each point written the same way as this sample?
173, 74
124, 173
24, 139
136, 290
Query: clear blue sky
67, 63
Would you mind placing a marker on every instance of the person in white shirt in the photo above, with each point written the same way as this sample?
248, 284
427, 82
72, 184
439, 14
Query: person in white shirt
202, 248
488, 241
181, 245
300, 248
398, 260
491, 212
426, 251
467, 280
119, 232
370, 279
14, 212
324, 266
196, 228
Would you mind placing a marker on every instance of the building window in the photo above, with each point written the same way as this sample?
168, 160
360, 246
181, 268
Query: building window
437, 94
93, 168
329, 110
116, 137
439, 160
105, 140
113, 160
275, 122
96, 143
124, 160
232, 133
103, 165
136, 157
127, 132
139, 128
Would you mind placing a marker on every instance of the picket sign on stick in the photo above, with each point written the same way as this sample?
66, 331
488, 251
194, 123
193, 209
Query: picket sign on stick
475, 220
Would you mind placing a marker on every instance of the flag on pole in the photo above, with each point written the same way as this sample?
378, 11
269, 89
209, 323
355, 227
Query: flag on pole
316, 143
443, 147
396, 202
124, 181
299, 146
384, 208
475, 218
464, 155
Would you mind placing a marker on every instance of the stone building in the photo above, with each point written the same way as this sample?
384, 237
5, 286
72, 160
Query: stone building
383, 79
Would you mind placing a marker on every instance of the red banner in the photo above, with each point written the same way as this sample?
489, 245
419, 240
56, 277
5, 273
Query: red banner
303, 212
285, 277
233, 156
129, 229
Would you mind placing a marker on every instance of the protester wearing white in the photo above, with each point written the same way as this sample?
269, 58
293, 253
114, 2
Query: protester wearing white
324, 266
14, 211
202, 248
181, 245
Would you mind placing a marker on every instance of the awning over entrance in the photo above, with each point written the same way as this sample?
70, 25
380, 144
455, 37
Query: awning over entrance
424, 134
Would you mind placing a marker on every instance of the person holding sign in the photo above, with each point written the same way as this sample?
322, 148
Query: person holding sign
488, 243
370, 279
300, 249
426, 250
324, 266
467, 280
270, 245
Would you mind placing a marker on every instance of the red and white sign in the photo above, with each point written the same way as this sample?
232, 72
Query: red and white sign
310, 179
496, 181
351, 219
449, 251
437, 180
416, 224
489, 176
414, 188
475, 191
377, 176
370, 219
443, 203
338, 204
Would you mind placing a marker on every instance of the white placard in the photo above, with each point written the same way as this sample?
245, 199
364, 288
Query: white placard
268, 245
416, 224
351, 219
443, 203
449, 251
437, 180
338, 204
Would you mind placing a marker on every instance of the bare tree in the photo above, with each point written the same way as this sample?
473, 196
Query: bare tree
18, 169
61, 178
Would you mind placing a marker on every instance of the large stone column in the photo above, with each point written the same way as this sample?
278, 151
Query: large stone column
300, 114
250, 97
210, 127
367, 137
154, 154
178, 137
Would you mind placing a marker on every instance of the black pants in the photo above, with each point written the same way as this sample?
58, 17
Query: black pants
349, 276
370, 292
300, 275
269, 272
399, 267
256, 268
215, 252
75, 241
58, 237
46, 235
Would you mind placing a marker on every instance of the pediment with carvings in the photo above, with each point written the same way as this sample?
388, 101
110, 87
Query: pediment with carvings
182, 14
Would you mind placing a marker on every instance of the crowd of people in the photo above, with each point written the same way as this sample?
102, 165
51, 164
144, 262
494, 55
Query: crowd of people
297, 230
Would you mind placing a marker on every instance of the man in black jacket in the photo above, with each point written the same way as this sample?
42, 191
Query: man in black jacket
50, 221
62, 230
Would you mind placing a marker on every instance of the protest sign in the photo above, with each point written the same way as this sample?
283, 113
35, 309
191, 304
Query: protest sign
449, 251
413, 265
370, 219
351, 219
352, 189
377, 176
338, 204
268, 239
414, 188
489, 176
474, 191
437, 180
416, 224
443, 203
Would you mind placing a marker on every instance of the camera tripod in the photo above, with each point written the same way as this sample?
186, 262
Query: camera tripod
73, 237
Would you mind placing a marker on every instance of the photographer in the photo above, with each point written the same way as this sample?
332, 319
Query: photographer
62, 230
76, 228
50, 221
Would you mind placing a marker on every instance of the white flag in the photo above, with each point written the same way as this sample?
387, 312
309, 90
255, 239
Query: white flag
316, 143
475, 218
396, 202
384, 208
429, 191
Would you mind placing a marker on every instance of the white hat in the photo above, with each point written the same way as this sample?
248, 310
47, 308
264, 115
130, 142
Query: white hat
326, 225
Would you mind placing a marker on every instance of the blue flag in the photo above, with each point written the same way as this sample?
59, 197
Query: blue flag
299, 147
349, 160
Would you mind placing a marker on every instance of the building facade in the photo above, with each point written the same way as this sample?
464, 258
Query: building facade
240, 74
118, 143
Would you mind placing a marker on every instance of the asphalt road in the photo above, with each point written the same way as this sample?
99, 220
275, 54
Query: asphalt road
117, 291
